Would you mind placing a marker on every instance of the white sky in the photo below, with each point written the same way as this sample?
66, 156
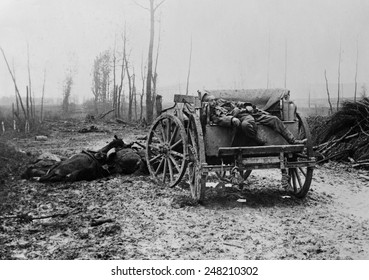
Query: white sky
229, 40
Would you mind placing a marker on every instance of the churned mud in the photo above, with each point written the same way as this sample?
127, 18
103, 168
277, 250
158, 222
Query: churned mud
130, 217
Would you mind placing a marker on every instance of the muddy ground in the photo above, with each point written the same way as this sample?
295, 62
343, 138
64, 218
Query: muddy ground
146, 221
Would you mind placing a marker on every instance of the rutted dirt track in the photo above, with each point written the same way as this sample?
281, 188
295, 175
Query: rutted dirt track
151, 222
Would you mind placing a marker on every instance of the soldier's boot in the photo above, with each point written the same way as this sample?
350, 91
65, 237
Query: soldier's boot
291, 138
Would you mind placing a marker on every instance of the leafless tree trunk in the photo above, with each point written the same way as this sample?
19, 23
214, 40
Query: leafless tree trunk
26, 129
15, 83
122, 75
114, 82
30, 84
189, 69
149, 78
143, 78
16, 112
42, 98
339, 78
159, 105
67, 89
129, 90
155, 74
329, 97
134, 95
357, 62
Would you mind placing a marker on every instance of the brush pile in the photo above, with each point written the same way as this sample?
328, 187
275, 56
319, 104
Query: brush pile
345, 137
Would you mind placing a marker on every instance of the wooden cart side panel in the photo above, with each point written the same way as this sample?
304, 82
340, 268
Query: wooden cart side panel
216, 137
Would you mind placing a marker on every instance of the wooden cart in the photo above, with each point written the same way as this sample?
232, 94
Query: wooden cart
182, 140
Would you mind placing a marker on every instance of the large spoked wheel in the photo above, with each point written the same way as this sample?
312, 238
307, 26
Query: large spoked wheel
301, 177
166, 150
196, 152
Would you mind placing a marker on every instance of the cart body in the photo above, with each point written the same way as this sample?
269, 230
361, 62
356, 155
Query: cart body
184, 140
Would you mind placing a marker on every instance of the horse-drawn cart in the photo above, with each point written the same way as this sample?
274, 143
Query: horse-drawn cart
184, 140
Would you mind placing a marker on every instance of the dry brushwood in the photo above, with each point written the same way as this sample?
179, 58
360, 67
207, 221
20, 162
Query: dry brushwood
346, 137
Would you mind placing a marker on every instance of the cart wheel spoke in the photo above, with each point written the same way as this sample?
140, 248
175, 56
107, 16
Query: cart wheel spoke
170, 169
159, 166
157, 137
293, 178
164, 169
155, 158
162, 131
298, 179
177, 154
302, 171
172, 159
174, 134
166, 161
176, 144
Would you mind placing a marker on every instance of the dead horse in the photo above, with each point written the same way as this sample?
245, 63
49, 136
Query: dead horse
86, 165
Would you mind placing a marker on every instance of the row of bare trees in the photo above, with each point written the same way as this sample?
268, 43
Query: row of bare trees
339, 85
114, 80
24, 113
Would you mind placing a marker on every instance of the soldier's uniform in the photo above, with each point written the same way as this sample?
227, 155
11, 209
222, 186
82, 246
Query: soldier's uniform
251, 116
223, 113
244, 114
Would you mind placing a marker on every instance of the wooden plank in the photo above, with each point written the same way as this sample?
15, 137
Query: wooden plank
260, 150
266, 165
260, 160
181, 98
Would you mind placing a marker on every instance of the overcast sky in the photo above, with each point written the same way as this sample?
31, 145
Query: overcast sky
231, 40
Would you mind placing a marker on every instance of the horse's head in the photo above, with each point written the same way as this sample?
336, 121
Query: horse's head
116, 143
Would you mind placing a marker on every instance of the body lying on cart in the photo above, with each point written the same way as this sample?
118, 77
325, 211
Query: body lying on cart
183, 141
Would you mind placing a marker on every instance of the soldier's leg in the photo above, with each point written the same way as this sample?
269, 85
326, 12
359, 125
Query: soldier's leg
276, 124
249, 128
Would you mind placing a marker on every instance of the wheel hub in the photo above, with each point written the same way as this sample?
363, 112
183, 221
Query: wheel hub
165, 149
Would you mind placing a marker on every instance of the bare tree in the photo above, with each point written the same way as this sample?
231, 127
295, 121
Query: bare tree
42, 98
30, 84
155, 73
143, 78
189, 69
100, 79
357, 62
15, 83
67, 90
96, 87
328, 95
115, 87
134, 94
149, 95
339, 77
